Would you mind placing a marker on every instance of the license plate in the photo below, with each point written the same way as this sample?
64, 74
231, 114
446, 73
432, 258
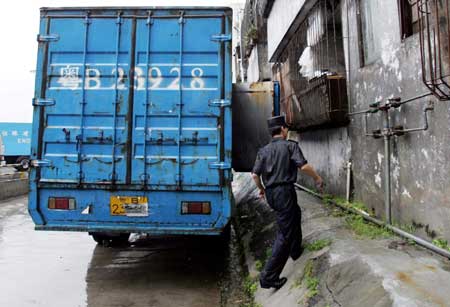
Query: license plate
129, 205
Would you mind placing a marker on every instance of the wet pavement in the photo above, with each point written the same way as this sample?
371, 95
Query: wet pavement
68, 269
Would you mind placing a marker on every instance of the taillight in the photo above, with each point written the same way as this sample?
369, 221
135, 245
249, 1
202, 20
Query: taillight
61, 203
195, 207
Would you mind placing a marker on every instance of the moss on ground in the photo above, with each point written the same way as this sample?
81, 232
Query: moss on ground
260, 263
441, 243
250, 285
309, 281
357, 223
317, 245
365, 229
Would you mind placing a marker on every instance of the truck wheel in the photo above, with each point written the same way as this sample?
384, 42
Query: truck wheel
98, 237
105, 238
122, 239
225, 236
24, 164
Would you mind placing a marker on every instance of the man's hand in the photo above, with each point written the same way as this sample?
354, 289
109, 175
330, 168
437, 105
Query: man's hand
310, 171
262, 193
319, 183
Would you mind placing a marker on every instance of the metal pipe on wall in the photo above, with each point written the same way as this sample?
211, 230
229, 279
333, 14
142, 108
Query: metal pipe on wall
387, 133
349, 180
387, 168
394, 229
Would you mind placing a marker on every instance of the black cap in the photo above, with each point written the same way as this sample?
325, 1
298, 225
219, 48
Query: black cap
276, 122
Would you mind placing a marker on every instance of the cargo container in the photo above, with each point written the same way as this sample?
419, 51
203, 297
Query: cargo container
15, 139
132, 121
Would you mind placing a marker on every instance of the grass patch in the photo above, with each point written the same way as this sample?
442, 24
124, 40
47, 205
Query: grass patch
252, 304
318, 245
406, 227
250, 286
310, 281
259, 264
441, 243
365, 229
358, 205
355, 222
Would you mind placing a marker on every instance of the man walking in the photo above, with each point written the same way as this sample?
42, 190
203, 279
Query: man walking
277, 163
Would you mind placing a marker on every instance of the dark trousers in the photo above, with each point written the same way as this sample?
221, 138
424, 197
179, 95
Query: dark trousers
283, 200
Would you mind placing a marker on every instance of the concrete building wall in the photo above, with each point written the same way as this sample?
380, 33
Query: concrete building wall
328, 151
281, 17
253, 66
420, 162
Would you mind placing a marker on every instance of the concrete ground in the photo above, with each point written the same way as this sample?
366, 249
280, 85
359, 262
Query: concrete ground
65, 269
352, 270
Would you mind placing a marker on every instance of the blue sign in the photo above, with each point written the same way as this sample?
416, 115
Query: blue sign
16, 138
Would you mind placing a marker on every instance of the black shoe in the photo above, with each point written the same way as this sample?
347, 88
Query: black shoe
274, 284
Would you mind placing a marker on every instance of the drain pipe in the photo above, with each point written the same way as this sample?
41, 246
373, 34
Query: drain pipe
387, 133
387, 168
373, 220
349, 180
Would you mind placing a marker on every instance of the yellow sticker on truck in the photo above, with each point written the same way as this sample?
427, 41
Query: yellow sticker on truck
128, 205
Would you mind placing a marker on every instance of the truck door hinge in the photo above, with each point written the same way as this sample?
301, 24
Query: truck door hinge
221, 37
42, 102
220, 165
45, 38
221, 103
40, 163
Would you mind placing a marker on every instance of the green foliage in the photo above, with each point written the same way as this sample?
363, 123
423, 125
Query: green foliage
312, 284
441, 243
310, 281
252, 34
327, 199
251, 304
318, 245
259, 265
250, 286
359, 206
365, 229
340, 200
406, 227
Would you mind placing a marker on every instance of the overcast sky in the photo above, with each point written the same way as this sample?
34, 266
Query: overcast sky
19, 28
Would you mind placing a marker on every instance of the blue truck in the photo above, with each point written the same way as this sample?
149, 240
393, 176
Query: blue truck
132, 124
15, 140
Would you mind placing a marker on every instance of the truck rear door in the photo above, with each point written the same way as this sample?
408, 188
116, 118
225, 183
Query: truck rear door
133, 97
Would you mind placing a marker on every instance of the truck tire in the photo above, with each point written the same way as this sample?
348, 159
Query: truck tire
103, 238
24, 164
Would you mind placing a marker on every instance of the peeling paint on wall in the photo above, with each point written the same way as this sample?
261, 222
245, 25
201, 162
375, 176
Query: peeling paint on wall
406, 193
378, 180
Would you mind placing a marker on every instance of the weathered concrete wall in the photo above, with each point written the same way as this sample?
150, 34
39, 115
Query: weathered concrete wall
328, 151
419, 161
280, 19
13, 187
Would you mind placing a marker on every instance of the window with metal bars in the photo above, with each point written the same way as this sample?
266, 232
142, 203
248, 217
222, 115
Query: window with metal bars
409, 17
369, 13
